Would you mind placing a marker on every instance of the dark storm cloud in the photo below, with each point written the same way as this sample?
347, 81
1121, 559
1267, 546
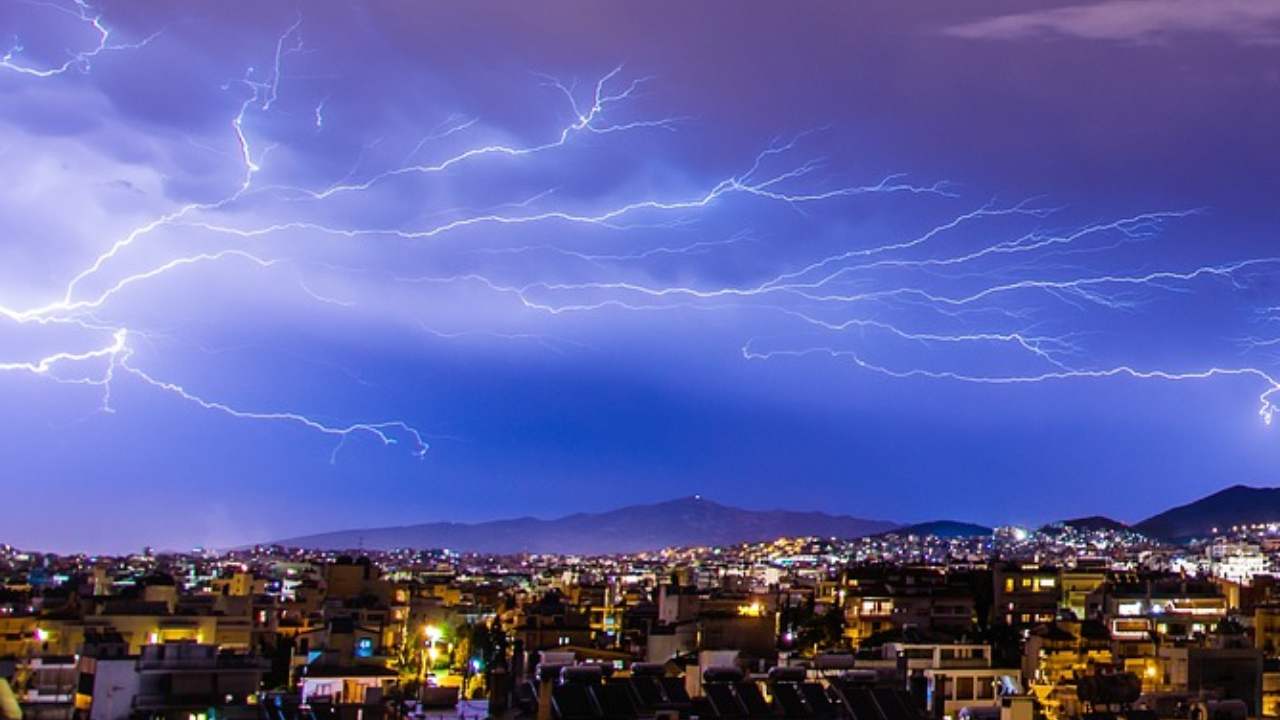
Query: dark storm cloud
1134, 21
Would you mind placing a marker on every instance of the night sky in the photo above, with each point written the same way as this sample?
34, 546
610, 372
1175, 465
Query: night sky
276, 268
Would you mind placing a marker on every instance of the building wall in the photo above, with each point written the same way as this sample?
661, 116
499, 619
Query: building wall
115, 683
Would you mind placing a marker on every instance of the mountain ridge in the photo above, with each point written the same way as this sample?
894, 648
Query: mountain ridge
1234, 505
1094, 522
943, 529
696, 521
687, 521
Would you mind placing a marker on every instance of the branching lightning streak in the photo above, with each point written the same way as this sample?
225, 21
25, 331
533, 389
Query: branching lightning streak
118, 353
79, 60
1267, 407
1054, 350
585, 121
694, 248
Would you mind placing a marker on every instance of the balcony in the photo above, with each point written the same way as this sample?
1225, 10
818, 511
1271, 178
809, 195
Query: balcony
169, 701
221, 663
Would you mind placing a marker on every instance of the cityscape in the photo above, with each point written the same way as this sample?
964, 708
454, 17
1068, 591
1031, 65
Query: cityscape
943, 619
565, 360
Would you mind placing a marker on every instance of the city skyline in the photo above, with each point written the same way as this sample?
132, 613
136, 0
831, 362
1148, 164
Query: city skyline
277, 271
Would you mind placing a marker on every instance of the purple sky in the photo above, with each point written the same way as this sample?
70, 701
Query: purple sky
900, 261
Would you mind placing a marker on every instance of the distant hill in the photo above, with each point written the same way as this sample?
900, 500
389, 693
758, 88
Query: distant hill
1095, 522
943, 529
1237, 505
690, 521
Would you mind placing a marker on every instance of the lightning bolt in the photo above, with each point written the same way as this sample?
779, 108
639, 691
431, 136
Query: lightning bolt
72, 309
1266, 410
80, 60
811, 284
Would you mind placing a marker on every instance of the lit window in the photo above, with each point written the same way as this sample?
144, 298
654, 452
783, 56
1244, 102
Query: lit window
364, 647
